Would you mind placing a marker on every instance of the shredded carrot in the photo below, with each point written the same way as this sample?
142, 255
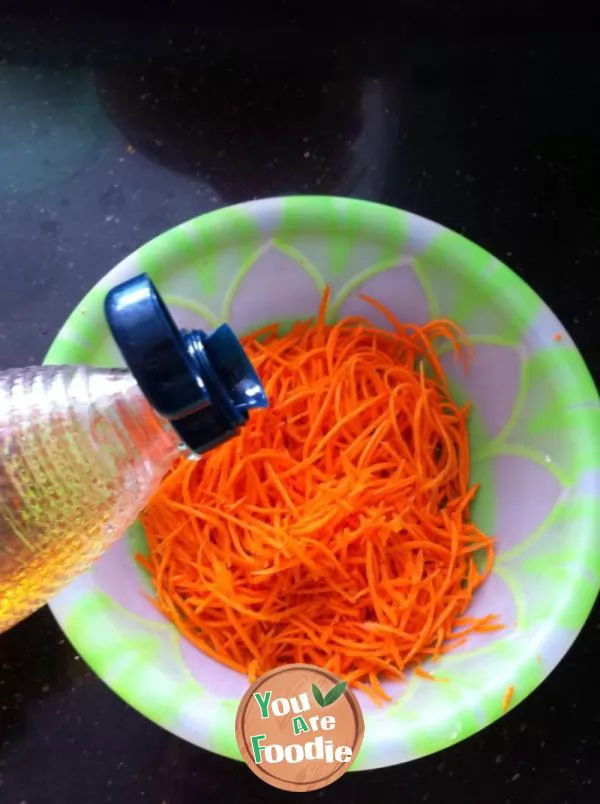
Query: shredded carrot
507, 699
557, 336
336, 529
422, 673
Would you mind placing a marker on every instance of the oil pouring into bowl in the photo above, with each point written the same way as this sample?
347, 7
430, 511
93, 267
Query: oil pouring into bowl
82, 449
532, 396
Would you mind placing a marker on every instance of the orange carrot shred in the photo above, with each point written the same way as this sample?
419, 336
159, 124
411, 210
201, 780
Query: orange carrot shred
336, 529
422, 673
507, 699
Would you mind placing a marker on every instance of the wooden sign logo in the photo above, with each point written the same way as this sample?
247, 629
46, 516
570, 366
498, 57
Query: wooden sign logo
299, 728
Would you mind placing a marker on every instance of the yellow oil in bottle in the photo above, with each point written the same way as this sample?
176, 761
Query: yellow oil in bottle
80, 453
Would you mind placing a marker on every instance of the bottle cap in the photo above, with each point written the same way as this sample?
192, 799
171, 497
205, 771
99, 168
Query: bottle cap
203, 384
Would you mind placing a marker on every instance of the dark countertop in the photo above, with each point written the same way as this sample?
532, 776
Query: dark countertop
107, 139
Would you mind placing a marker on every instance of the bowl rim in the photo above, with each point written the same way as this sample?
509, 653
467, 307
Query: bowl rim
63, 350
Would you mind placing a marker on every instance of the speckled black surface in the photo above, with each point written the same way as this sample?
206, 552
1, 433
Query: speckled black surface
490, 134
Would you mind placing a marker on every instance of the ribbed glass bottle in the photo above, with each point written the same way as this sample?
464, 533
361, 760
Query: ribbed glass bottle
81, 452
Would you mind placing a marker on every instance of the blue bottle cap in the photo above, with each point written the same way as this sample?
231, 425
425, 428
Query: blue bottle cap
203, 384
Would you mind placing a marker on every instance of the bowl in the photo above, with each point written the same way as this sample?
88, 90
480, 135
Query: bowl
535, 432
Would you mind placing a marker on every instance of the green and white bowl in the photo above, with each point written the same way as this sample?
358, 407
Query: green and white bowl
535, 431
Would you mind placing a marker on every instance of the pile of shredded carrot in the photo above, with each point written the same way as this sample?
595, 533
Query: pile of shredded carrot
335, 529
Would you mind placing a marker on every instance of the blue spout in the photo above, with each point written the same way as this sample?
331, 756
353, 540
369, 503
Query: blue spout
203, 384
230, 363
